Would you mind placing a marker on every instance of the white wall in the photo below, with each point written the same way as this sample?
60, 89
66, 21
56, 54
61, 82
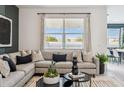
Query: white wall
30, 27
115, 14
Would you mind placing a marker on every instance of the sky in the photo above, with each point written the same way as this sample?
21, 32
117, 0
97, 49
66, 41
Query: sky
113, 33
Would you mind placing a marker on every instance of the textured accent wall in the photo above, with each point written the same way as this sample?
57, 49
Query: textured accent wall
11, 12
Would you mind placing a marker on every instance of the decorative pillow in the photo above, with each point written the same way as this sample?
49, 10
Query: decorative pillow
69, 55
24, 59
59, 57
1, 56
47, 55
25, 52
78, 55
87, 56
11, 63
37, 56
4, 68
13, 56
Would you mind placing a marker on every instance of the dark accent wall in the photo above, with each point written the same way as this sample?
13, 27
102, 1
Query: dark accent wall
11, 12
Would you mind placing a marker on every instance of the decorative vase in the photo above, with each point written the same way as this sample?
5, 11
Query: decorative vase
75, 67
102, 68
49, 80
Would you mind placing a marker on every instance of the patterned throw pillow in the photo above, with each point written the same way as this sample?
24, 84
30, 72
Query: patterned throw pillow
4, 68
79, 58
87, 56
11, 63
25, 52
37, 56
77, 54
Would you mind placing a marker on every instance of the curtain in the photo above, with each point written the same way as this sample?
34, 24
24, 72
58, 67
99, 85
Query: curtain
88, 43
42, 31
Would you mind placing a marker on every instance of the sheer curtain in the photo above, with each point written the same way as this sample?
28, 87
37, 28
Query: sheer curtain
87, 36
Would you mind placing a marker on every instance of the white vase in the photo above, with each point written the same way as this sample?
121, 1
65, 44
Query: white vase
48, 80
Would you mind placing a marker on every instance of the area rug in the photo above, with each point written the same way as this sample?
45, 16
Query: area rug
99, 81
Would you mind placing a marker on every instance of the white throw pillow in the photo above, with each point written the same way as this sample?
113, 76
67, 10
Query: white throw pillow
25, 52
78, 55
4, 68
37, 56
79, 58
13, 56
87, 56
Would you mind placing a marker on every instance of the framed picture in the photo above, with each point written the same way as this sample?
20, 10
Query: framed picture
5, 31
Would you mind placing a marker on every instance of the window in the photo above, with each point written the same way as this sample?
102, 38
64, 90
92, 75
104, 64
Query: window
64, 33
113, 37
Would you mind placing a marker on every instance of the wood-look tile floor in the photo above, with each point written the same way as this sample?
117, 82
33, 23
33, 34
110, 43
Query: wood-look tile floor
115, 71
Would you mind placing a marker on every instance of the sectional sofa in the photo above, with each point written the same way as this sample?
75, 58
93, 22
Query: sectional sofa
25, 71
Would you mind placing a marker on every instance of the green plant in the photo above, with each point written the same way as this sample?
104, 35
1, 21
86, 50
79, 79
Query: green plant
102, 58
52, 72
51, 39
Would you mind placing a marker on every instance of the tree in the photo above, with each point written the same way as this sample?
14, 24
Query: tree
51, 39
78, 39
69, 40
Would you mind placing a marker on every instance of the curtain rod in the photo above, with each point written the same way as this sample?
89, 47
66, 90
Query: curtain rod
63, 13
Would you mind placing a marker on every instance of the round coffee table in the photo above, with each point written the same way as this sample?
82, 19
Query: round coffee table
84, 77
40, 83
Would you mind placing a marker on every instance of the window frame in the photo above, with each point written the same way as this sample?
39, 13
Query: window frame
121, 32
85, 16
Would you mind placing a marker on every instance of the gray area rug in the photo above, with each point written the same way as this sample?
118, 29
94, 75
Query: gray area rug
99, 81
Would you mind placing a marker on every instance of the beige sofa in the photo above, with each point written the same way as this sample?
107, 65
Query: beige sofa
21, 76
26, 71
64, 67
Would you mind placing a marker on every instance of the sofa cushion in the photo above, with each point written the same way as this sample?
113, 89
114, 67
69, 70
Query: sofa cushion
44, 64
87, 56
65, 65
25, 52
49, 54
78, 55
37, 56
11, 63
59, 57
1, 56
24, 59
86, 65
69, 54
13, 56
13, 78
4, 68
25, 67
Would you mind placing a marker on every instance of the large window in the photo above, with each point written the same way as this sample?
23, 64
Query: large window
64, 33
115, 36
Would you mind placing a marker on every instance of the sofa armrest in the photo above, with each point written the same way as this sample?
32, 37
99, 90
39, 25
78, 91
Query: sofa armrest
0, 80
96, 61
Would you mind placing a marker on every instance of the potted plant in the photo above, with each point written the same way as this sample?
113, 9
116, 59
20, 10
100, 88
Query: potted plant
51, 76
103, 59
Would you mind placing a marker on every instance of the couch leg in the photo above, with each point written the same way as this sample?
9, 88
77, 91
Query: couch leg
94, 75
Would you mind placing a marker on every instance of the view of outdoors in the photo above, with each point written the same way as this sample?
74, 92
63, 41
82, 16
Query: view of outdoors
113, 35
64, 33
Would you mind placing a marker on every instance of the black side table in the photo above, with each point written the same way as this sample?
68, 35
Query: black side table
77, 81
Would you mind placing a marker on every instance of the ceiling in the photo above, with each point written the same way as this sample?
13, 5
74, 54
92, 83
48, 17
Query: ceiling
115, 12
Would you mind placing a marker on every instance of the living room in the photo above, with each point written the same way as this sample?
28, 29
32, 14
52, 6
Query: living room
59, 46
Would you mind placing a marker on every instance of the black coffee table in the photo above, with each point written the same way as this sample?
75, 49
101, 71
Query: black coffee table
76, 81
65, 79
40, 83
